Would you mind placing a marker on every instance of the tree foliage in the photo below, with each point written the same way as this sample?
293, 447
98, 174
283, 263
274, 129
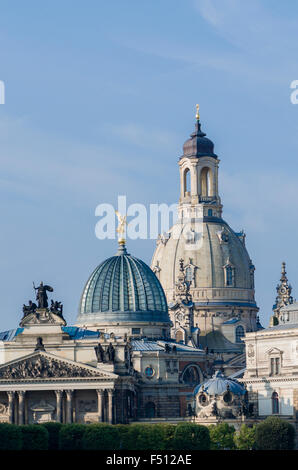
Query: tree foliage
275, 434
245, 439
222, 436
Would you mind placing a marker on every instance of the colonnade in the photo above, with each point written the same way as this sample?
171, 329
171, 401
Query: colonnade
64, 406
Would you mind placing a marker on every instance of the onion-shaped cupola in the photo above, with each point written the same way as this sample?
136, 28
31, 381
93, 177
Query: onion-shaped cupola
198, 145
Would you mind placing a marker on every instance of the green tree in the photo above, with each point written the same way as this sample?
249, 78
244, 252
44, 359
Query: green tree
189, 436
222, 436
275, 434
245, 439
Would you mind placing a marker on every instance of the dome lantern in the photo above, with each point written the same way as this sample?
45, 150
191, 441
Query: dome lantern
198, 145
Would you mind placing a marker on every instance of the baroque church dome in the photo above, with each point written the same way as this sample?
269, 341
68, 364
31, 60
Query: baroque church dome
122, 289
215, 258
216, 263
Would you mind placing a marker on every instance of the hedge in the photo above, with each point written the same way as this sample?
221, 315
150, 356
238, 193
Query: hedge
101, 437
148, 437
272, 434
71, 436
35, 437
11, 437
189, 436
53, 429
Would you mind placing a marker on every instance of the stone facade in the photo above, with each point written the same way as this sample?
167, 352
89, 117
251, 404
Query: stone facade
49, 372
271, 375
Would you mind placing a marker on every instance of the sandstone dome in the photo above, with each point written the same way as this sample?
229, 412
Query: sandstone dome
216, 260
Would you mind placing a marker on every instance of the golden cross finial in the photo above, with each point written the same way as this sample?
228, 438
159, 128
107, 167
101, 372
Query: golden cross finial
121, 227
197, 113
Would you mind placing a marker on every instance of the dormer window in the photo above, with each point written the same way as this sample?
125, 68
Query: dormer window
229, 272
240, 333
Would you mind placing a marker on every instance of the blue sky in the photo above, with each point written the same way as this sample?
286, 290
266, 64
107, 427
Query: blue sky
100, 97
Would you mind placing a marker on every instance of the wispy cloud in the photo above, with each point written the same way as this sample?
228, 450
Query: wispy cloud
259, 200
249, 25
37, 165
250, 47
142, 136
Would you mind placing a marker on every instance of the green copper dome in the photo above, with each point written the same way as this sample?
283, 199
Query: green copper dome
123, 288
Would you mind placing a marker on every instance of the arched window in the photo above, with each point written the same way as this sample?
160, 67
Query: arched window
150, 409
239, 334
186, 182
205, 180
191, 376
275, 403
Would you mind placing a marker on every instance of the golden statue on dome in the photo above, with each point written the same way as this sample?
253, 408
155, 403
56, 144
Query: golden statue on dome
121, 227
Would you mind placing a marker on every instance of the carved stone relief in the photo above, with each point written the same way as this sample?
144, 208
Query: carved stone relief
43, 367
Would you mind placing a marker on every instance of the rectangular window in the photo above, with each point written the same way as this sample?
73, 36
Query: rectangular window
136, 331
229, 276
277, 365
272, 366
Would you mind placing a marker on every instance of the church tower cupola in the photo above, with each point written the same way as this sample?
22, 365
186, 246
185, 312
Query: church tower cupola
198, 145
284, 290
199, 177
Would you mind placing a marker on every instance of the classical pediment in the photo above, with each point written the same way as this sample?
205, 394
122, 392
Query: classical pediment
41, 365
274, 351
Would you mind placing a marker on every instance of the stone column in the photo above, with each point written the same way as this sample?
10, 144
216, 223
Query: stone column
194, 179
100, 404
110, 406
69, 406
10, 406
182, 185
21, 395
59, 394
